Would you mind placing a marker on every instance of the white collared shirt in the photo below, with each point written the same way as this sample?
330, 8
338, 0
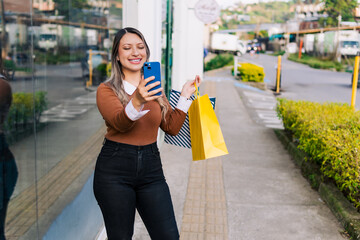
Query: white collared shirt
183, 104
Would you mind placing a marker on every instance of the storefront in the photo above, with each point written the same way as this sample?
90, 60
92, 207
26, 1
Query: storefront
55, 53
53, 127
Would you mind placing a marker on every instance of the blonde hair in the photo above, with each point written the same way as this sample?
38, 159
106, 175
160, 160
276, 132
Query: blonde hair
116, 78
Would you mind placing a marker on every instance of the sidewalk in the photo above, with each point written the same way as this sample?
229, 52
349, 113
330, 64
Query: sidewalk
255, 192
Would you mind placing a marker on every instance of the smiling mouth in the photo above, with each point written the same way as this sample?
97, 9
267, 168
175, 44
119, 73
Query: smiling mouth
135, 61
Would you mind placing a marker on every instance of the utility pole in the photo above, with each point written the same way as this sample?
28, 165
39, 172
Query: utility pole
3, 31
338, 53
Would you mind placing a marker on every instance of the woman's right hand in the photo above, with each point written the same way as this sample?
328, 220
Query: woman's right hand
143, 93
189, 87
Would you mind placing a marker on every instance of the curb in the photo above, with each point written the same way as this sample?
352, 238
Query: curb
260, 85
344, 211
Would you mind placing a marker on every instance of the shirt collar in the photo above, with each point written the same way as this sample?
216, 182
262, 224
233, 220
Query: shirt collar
129, 88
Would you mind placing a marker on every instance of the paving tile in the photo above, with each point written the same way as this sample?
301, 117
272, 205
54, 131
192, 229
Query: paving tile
21, 214
205, 214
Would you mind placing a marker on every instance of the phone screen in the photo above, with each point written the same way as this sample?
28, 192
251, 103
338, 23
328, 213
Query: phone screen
153, 69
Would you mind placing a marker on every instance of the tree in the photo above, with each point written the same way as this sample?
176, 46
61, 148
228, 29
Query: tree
67, 8
334, 8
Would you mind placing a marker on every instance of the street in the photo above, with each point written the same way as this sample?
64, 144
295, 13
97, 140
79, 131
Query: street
301, 82
70, 106
298, 81
61, 82
73, 118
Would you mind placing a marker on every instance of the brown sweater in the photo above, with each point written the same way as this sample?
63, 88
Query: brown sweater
142, 131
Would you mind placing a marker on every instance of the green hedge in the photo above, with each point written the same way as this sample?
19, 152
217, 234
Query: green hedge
103, 69
25, 109
9, 64
219, 61
330, 135
250, 72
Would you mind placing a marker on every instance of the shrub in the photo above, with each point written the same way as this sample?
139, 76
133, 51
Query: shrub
9, 64
102, 68
250, 72
219, 61
100, 73
108, 69
25, 109
330, 135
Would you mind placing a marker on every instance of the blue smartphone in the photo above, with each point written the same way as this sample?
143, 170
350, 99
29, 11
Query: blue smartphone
153, 69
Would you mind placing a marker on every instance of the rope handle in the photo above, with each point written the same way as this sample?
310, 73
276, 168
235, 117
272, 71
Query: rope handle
197, 93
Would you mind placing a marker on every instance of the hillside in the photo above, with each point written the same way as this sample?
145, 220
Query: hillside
264, 12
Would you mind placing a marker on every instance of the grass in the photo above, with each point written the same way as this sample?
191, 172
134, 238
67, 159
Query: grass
315, 62
277, 53
219, 61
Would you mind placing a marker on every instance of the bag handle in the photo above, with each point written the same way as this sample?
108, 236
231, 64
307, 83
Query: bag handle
197, 93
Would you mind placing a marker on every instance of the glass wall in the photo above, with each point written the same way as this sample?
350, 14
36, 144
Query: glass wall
54, 53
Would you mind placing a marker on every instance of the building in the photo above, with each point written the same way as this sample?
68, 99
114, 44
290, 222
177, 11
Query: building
44, 5
357, 12
18, 6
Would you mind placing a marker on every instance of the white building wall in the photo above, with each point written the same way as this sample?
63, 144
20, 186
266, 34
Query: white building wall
145, 15
188, 35
188, 46
130, 13
150, 25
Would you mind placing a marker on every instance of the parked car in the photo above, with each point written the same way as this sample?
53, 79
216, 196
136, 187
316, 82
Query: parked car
253, 47
99, 59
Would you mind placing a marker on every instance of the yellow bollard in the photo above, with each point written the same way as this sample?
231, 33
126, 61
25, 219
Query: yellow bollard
278, 75
89, 83
355, 81
300, 48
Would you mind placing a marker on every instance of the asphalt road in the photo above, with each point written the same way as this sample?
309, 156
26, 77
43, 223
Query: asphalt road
72, 117
61, 82
301, 82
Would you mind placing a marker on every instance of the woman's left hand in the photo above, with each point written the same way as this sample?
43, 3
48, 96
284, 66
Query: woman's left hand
189, 87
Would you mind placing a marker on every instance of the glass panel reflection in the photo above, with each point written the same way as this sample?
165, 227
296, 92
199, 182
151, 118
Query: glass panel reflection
55, 53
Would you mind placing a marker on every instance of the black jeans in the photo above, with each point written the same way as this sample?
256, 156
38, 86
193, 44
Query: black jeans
129, 177
8, 178
2, 219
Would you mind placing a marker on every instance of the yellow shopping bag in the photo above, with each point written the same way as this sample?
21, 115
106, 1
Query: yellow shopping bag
207, 140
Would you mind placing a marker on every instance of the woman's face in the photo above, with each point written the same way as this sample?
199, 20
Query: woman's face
131, 53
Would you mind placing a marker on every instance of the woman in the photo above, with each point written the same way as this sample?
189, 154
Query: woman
128, 172
8, 169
